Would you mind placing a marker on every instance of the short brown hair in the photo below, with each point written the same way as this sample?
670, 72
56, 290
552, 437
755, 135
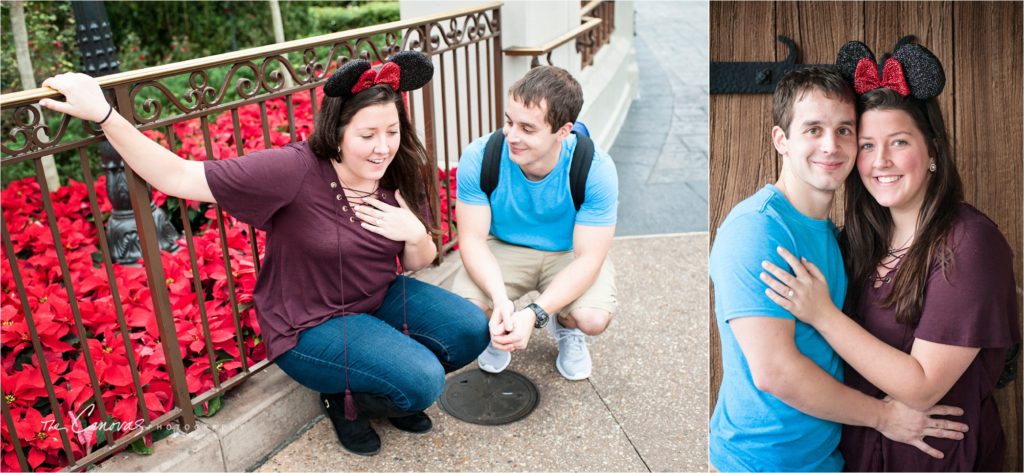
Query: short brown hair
798, 82
555, 86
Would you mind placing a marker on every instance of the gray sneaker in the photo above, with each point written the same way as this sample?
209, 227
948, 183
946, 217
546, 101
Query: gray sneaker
493, 360
573, 360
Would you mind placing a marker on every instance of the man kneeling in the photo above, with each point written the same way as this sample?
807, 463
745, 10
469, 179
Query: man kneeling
526, 231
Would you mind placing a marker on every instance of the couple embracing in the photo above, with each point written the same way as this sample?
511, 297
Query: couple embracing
877, 347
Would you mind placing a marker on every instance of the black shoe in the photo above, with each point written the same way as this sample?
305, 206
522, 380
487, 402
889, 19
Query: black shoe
416, 423
355, 436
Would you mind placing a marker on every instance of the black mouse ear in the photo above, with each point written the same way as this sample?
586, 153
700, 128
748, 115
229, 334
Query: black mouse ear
922, 70
849, 56
417, 69
341, 82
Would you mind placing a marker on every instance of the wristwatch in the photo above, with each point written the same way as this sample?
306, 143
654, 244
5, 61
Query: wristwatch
542, 315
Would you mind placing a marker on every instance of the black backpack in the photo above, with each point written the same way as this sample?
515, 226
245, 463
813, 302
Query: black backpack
582, 158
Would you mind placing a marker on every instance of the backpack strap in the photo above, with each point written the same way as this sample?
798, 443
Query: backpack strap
491, 165
582, 158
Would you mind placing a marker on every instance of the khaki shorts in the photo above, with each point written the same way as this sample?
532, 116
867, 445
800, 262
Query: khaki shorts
526, 269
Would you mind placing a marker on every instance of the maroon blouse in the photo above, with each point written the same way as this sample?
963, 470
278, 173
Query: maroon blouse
319, 261
975, 307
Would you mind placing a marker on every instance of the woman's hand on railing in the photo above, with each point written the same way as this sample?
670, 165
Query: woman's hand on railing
157, 165
83, 97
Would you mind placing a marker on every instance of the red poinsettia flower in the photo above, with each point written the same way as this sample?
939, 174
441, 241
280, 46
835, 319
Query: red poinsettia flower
41, 434
125, 412
92, 283
191, 336
14, 329
200, 378
99, 316
71, 200
257, 350
51, 314
8, 458
21, 197
23, 388
35, 237
77, 387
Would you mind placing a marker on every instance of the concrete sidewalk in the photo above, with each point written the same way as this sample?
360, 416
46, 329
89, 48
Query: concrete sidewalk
661, 152
644, 408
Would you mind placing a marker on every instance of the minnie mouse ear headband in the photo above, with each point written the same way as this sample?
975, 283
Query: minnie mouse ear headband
911, 70
404, 71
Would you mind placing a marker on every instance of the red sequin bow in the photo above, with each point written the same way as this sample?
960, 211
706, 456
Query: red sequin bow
388, 74
866, 77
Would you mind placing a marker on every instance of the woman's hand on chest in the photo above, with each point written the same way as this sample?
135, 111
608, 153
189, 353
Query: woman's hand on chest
393, 223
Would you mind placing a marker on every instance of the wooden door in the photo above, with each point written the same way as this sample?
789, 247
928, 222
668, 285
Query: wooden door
979, 45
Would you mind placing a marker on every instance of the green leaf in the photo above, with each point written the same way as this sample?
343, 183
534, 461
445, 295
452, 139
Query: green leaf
163, 432
209, 408
139, 446
25, 357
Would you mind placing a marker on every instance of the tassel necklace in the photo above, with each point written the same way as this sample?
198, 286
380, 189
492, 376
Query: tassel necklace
351, 411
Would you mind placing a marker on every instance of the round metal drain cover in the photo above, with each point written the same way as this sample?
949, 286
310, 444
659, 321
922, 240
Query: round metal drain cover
483, 398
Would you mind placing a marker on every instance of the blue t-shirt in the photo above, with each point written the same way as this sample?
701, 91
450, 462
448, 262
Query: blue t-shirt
540, 214
752, 430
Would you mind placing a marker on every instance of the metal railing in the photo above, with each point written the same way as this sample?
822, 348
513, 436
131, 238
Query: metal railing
605, 11
222, 91
597, 24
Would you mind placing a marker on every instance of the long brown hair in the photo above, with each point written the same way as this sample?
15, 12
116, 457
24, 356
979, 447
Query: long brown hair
411, 172
869, 229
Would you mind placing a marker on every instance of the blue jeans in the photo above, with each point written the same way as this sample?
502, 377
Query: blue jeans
446, 333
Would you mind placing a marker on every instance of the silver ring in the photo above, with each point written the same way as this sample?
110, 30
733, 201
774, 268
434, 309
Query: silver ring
381, 220
790, 294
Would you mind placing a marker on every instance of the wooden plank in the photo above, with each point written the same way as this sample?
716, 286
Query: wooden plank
741, 127
989, 141
742, 33
742, 157
819, 28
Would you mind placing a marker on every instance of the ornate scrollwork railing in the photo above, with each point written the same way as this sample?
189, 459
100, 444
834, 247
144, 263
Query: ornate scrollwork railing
605, 10
267, 67
597, 22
